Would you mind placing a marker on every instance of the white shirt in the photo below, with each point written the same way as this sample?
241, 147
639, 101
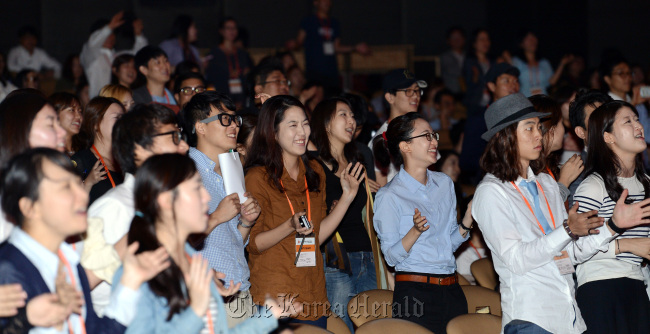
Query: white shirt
123, 301
97, 60
19, 59
116, 207
532, 288
465, 259
5, 227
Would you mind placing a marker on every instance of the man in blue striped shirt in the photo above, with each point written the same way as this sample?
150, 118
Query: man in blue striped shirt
212, 126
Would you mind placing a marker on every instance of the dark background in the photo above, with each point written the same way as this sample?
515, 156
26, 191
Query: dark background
585, 27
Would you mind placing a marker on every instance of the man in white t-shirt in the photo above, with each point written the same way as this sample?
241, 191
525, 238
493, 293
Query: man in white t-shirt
27, 56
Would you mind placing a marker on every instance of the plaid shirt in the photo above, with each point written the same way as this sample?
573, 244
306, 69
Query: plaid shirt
224, 247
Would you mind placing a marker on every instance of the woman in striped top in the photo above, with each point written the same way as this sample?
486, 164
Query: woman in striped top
611, 293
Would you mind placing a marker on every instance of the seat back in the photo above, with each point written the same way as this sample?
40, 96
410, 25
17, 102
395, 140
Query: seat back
391, 326
479, 297
370, 305
336, 325
483, 272
474, 323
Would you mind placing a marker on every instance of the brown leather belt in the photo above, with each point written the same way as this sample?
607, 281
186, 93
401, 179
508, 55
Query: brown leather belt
427, 279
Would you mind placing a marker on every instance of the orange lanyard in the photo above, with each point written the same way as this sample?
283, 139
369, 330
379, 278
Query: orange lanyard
308, 201
476, 250
110, 177
531, 209
74, 284
233, 72
550, 173
208, 313
164, 93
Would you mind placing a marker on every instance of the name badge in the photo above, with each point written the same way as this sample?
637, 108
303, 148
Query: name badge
235, 86
305, 257
328, 48
564, 263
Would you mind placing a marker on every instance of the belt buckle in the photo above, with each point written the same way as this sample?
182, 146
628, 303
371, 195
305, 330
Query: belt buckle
440, 280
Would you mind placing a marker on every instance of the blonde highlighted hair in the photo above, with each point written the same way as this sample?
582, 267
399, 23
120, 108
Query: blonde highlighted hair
115, 91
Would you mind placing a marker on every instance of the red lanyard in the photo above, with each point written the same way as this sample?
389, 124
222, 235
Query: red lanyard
550, 173
208, 314
476, 250
74, 284
531, 209
110, 177
326, 26
164, 93
237, 70
293, 212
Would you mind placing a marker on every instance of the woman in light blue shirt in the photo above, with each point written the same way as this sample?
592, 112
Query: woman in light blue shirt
415, 219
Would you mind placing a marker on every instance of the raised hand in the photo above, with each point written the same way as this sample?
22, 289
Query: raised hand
250, 210
46, 311
419, 221
223, 291
571, 170
198, 284
350, 180
96, 174
374, 186
585, 223
282, 307
630, 215
142, 267
117, 20
12, 297
263, 97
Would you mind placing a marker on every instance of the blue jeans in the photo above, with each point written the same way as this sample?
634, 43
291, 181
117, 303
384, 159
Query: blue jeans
341, 287
523, 327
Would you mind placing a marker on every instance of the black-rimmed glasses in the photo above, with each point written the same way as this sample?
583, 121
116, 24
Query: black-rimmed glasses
225, 119
409, 92
177, 135
192, 90
278, 82
429, 135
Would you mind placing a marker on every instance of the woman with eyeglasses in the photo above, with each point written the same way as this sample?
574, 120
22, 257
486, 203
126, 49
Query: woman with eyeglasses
230, 64
284, 258
95, 160
415, 219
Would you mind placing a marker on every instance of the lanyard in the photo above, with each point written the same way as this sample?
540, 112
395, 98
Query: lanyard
110, 177
550, 173
208, 313
476, 250
233, 72
164, 93
74, 284
326, 26
531, 209
308, 201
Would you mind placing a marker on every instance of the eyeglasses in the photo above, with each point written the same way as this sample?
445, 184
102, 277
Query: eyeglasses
278, 82
192, 90
409, 92
177, 135
428, 135
225, 119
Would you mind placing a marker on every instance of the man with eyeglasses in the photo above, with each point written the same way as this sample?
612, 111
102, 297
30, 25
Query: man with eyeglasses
268, 80
402, 93
147, 130
212, 127
186, 86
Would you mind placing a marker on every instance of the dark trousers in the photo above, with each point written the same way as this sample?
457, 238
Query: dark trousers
617, 305
428, 305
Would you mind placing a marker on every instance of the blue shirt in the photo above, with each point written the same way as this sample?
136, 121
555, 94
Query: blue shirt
533, 77
224, 246
433, 252
318, 32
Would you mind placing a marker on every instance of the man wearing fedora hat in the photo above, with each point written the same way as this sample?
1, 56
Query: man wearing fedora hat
402, 92
501, 80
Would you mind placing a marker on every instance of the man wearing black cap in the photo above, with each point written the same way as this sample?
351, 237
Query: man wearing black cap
402, 92
501, 80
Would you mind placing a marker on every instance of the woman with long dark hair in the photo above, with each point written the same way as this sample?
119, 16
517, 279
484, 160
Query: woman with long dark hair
349, 262
171, 204
288, 185
70, 112
611, 290
43, 196
534, 243
536, 73
123, 70
179, 47
476, 65
415, 219
95, 159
